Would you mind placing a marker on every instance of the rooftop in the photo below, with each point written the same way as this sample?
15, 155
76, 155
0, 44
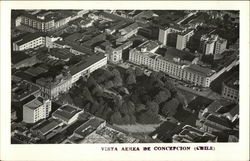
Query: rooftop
199, 69
86, 63
59, 53
28, 38
186, 32
65, 113
35, 103
219, 120
89, 126
129, 28
47, 126
23, 89
17, 57
233, 81
148, 46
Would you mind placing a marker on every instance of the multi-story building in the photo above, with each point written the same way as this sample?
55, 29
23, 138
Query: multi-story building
183, 38
87, 66
115, 53
212, 44
45, 20
51, 88
220, 46
127, 32
165, 31
172, 65
207, 43
230, 87
36, 110
29, 41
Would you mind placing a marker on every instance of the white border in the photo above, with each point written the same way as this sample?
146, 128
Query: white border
223, 151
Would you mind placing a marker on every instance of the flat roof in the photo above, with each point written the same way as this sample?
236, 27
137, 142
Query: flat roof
47, 126
92, 124
17, 57
65, 112
23, 89
86, 63
28, 38
198, 69
35, 103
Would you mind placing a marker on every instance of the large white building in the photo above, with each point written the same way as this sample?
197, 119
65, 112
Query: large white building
183, 38
212, 44
165, 31
175, 66
87, 66
29, 41
36, 110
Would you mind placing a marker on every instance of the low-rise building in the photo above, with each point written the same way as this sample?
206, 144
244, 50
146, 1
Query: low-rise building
45, 127
67, 114
213, 123
128, 32
230, 87
87, 66
29, 41
190, 134
36, 110
21, 90
20, 59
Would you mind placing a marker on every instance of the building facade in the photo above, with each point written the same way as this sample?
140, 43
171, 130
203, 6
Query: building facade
52, 88
230, 88
36, 110
85, 67
183, 38
164, 32
28, 42
175, 67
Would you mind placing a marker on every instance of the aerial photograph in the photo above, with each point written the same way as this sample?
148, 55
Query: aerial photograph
124, 76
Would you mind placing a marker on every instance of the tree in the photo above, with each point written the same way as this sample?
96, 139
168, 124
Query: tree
148, 117
94, 107
140, 107
153, 106
87, 95
138, 71
169, 108
131, 79
91, 82
116, 118
162, 96
97, 91
108, 84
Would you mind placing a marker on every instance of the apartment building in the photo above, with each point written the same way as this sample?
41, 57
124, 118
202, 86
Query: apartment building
172, 65
212, 44
29, 41
36, 110
45, 21
183, 38
165, 31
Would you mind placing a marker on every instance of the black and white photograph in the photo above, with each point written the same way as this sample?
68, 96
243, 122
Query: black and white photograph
124, 80
124, 76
